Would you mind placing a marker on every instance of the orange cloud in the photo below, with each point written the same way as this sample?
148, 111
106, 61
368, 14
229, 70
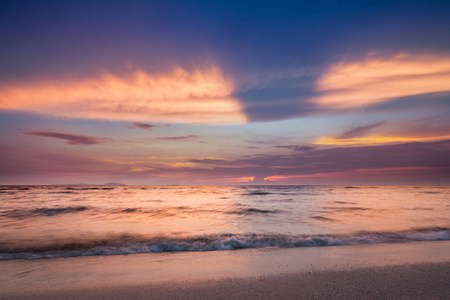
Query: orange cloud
371, 171
227, 180
198, 97
376, 139
376, 80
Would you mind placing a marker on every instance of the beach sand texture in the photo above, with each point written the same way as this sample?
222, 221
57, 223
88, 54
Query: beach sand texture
418, 270
416, 281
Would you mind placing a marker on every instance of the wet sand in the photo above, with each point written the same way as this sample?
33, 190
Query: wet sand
418, 270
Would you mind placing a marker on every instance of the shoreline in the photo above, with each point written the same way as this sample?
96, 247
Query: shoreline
412, 270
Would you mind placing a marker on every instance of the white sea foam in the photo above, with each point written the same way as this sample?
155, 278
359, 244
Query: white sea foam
120, 245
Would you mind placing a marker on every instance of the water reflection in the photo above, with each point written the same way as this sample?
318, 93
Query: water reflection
46, 215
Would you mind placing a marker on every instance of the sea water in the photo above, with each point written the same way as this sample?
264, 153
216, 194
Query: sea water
65, 221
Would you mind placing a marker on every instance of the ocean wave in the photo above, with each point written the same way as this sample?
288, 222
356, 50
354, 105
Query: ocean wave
83, 188
249, 211
257, 193
157, 213
323, 218
343, 202
129, 244
42, 211
351, 208
63, 192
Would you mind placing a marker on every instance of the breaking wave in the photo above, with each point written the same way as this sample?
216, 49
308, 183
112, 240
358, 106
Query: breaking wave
130, 244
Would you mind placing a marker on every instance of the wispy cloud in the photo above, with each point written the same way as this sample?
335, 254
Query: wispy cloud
392, 132
401, 163
227, 180
358, 131
72, 139
178, 138
202, 96
407, 158
301, 148
376, 80
141, 125
353, 173
379, 139
209, 161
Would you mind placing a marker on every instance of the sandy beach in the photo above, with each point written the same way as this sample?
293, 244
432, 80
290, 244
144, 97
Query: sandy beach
223, 149
418, 270
415, 281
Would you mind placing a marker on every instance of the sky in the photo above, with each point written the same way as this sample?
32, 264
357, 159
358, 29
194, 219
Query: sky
225, 92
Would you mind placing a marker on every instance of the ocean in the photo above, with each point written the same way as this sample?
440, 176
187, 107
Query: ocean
39, 222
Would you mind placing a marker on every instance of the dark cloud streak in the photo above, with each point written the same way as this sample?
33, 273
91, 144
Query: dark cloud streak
340, 159
141, 125
358, 131
300, 148
71, 139
178, 138
144, 125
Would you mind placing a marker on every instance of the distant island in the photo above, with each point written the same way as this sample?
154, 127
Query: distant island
114, 183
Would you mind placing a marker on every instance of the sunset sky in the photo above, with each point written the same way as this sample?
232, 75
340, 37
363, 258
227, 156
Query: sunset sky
225, 92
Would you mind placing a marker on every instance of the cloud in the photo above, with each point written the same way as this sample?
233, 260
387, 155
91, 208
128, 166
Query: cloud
425, 163
72, 139
395, 164
197, 97
301, 148
379, 139
178, 138
419, 130
342, 159
141, 125
429, 161
209, 161
357, 172
227, 180
376, 80
358, 131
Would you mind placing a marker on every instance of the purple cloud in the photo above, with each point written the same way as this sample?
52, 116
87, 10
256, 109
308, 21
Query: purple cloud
209, 161
433, 155
72, 139
301, 148
177, 138
142, 125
